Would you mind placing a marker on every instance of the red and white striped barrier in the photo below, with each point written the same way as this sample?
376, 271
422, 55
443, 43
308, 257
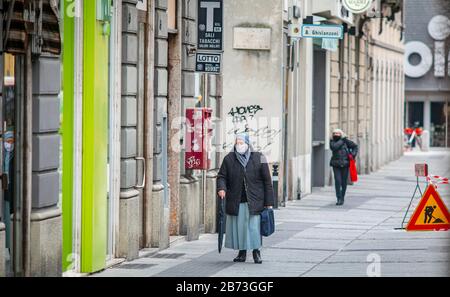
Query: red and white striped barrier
436, 179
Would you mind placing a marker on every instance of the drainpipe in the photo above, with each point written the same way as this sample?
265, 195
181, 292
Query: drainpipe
357, 82
349, 80
368, 96
148, 120
341, 79
173, 114
27, 161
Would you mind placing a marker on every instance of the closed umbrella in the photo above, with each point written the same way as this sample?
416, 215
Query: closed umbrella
221, 223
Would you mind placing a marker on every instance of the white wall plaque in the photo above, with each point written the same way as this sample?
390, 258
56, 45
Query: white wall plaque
251, 38
142, 5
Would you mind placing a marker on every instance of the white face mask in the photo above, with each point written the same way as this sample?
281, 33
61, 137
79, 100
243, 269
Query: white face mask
9, 147
241, 148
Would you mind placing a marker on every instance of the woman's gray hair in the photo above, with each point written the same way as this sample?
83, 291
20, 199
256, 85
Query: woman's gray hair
339, 131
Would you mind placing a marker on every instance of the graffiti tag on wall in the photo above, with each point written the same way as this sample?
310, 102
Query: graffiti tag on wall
262, 138
244, 113
264, 131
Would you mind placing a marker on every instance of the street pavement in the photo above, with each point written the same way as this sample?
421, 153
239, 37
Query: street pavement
314, 237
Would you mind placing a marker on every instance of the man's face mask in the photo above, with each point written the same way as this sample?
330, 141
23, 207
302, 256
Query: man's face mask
336, 137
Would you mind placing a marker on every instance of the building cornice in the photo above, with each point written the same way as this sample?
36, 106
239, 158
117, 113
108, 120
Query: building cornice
387, 46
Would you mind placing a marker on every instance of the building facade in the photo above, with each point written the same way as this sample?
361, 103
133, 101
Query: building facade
385, 141
350, 91
30, 216
427, 70
253, 76
112, 182
367, 85
108, 135
131, 191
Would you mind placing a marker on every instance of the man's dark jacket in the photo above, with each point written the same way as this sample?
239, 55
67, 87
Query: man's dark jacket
340, 149
258, 180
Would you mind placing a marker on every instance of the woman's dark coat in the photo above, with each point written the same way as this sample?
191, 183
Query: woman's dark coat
340, 149
259, 183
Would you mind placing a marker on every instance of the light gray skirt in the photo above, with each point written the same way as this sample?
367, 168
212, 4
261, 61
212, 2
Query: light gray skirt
243, 232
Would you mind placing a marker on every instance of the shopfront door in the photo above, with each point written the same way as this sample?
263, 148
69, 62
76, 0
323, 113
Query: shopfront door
415, 114
319, 119
447, 121
10, 161
87, 156
140, 131
438, 125
114, 103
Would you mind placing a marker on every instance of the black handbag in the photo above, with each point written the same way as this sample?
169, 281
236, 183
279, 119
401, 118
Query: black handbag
267, 222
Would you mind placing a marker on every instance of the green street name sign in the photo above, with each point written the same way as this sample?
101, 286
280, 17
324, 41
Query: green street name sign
323, 31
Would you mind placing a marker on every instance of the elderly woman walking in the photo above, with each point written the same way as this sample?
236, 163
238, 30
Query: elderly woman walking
341, 147
245, 183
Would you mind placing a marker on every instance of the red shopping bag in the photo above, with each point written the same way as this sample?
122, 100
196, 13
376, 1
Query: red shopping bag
352, 169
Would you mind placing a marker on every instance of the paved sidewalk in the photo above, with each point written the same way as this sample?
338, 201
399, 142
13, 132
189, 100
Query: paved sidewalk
317, 238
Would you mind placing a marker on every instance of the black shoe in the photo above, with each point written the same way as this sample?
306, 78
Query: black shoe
241, 257
257, 256
340, 202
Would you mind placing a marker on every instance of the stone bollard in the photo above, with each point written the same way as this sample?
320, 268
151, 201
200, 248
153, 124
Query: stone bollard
185, 191
190, 207
129, 225
46, 250
210, 202
160, 219
425, 138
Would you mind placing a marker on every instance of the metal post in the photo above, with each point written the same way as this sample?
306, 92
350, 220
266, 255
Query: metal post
289, 67
149, 121
204, 104
27, 148
349, 65
275, 185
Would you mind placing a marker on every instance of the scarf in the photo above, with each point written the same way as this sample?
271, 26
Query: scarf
243, 158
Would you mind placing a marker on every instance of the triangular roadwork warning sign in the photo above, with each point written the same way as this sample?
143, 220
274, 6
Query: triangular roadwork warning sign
431, 214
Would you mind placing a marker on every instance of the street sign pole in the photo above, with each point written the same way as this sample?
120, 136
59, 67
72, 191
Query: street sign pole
204, 104
208, 59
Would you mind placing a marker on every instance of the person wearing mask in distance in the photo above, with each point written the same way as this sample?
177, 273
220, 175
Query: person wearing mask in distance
8, 155
341, 147
245, 183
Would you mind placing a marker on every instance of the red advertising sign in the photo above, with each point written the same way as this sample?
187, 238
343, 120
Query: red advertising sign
198, 137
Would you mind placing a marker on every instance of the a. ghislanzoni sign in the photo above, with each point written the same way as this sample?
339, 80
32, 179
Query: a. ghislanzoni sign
357, 6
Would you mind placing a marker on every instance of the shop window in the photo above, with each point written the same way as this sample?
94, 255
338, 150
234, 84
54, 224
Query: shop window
447, 119
438, 123
415, 114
